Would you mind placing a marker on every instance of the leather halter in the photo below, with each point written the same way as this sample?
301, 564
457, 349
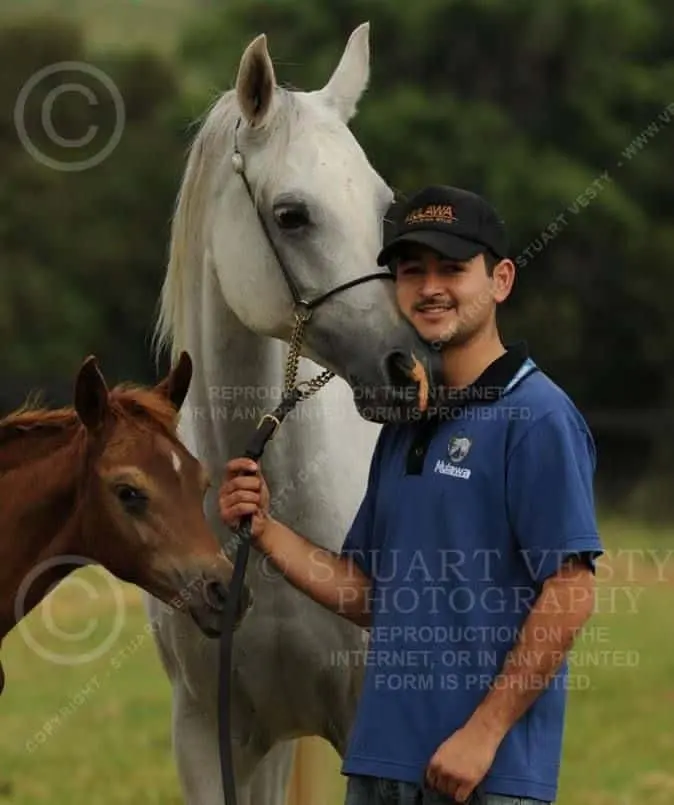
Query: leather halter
293, 393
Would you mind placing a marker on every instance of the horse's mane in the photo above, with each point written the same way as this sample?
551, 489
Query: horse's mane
212, 143
127, 402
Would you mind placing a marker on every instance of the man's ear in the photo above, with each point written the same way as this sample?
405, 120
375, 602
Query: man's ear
503, 279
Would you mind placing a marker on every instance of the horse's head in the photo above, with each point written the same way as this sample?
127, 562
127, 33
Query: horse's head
142, 500
323, 206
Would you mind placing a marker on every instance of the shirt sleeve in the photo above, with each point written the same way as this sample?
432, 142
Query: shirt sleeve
550, 494
361, 543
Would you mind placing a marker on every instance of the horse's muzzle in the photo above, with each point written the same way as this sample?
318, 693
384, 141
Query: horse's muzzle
408, 373
207, 609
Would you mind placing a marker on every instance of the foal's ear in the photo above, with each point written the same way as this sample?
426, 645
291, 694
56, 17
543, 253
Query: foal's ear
255, 82
176, 384
91, 394
351, 76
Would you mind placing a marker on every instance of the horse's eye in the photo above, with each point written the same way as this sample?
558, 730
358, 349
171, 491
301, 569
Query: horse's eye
291, 216
133, 499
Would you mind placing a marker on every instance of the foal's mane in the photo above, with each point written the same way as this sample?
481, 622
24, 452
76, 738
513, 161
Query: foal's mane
132, 404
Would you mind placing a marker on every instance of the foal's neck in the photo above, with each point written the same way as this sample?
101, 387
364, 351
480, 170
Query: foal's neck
39, 520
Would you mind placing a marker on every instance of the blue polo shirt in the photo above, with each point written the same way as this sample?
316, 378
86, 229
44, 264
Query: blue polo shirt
462, 521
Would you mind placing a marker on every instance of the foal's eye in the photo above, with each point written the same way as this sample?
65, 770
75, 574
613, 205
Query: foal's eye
291, 216
133, 499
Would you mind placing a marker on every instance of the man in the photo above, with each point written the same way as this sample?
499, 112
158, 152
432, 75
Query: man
471, 557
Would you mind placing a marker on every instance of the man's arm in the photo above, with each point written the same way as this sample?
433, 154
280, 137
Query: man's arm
565, 604
339, 582
332, 580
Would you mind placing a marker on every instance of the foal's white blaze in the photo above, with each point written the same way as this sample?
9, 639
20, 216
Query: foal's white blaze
175, 460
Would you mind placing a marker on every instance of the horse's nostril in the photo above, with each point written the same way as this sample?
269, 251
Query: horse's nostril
216, 595
399, 368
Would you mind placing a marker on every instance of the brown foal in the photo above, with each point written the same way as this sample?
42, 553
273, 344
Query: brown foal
108, 482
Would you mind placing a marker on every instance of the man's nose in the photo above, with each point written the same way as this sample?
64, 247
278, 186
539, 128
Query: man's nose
431, 284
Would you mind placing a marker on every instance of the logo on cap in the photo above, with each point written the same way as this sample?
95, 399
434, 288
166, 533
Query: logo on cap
437, 213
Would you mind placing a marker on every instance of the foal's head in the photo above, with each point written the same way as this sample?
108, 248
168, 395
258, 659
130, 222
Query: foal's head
142, 495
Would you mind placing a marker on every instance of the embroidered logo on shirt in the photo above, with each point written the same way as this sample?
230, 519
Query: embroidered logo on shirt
457, 449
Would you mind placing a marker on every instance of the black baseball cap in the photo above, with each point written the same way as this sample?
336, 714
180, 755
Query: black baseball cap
456, 223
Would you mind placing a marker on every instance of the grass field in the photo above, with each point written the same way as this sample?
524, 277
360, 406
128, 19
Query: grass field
114, 23
109, 718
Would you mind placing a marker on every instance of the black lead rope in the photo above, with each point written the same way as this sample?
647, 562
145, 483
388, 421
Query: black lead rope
263, 433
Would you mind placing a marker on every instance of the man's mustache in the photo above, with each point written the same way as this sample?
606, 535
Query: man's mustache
426, 303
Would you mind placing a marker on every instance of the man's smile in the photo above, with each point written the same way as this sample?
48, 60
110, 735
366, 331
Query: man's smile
432, 311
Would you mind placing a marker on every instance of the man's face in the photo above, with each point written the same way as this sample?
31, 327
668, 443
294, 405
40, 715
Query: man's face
445, 300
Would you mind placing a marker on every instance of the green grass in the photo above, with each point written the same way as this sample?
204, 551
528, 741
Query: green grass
114, 24
110, 718
111, 744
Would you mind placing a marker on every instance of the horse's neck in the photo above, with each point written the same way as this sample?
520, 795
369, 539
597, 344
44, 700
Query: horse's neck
232, 370
315, 465
38, 523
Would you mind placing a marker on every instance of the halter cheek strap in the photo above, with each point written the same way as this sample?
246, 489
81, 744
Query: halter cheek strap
238, 163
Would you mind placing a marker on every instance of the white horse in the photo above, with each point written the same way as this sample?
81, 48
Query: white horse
226, 300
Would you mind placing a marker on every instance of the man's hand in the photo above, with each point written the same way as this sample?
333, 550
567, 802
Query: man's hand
462, 761
243, 493
334, 581
561, 610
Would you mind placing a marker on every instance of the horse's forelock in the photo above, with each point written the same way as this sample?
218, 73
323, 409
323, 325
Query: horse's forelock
142, 407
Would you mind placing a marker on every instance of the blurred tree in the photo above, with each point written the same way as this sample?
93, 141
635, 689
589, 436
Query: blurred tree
82, 252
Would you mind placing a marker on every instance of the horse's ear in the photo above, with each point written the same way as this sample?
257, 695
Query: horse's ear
91, 394
255, 82
351, 76
176, 384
